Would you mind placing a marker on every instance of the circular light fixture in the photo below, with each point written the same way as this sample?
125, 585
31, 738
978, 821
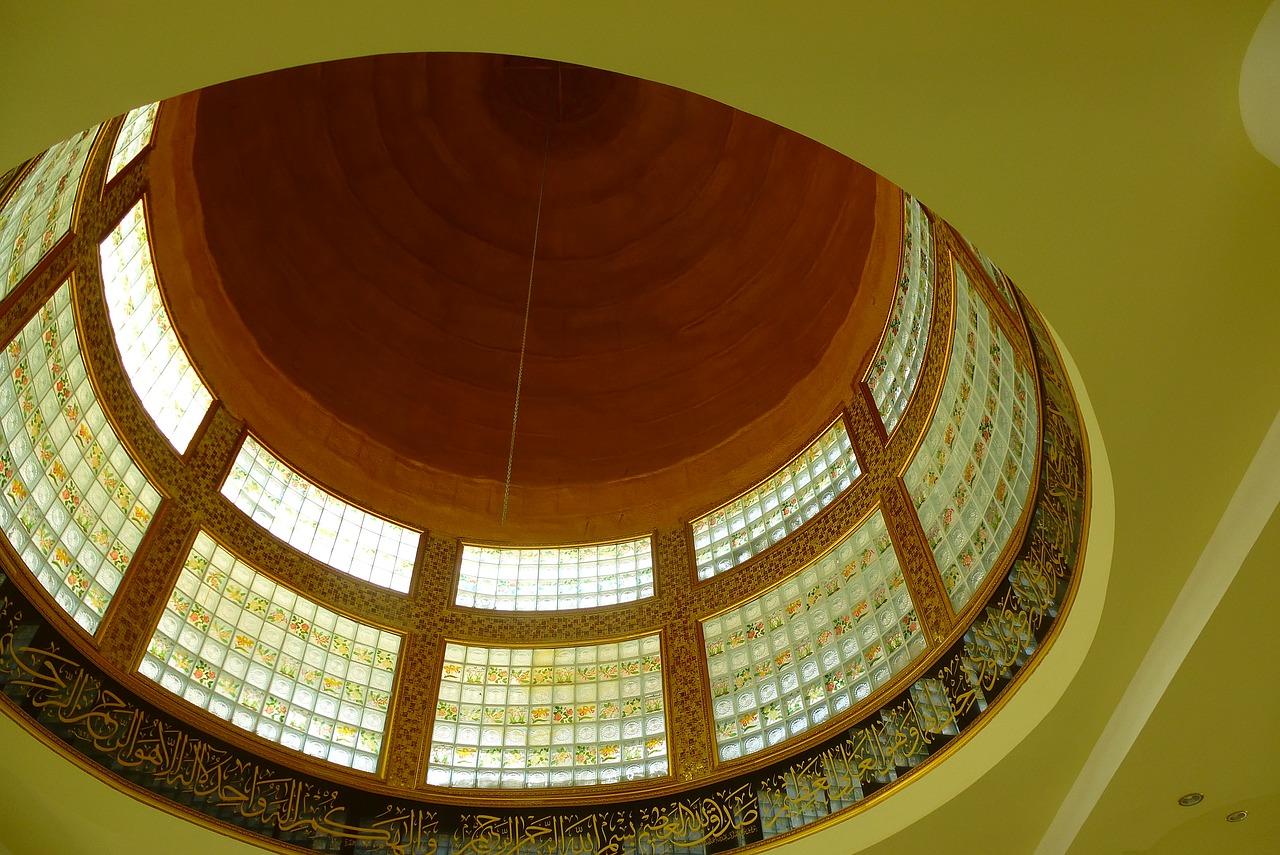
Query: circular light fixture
1237, 815
1190, 799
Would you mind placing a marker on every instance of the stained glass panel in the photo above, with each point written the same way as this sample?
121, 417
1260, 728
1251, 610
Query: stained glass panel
154, 361
771, 510
813, 646
969, 480
570, 577
76, 505
549, 717
270, 661
135, 133
38, 212
896, 367
317, 522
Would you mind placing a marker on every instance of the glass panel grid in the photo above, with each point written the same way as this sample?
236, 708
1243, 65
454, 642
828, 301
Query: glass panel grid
896, 368
38, 212
318, 523
996, 275
792, 804
551, 578
154, 361
812, 646
970, 479
135, 133
76, 505
777, 506
549, 717
257, 654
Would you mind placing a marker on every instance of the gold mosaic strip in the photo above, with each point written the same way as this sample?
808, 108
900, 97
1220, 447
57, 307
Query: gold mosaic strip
923, 581
689, 740
136, 607
409, 728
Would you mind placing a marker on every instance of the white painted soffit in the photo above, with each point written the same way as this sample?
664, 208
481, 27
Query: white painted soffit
1255, 499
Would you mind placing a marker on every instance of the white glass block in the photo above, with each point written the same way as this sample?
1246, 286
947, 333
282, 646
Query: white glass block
552, 578
723, 539
809, 638
549, 716
971, 477
893, 373
80, 503
154, 361
391, 549
38, 212
305, 695
997, 277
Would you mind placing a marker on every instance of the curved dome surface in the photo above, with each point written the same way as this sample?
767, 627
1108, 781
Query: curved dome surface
839, 623
705, 284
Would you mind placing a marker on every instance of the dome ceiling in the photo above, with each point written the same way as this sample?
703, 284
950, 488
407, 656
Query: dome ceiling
346, 248
923, 584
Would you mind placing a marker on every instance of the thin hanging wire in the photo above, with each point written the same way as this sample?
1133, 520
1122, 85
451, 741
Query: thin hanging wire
524, 334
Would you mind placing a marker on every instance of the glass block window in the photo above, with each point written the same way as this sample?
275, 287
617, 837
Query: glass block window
154, 361
896, 368
9, 176
996, 275
39, 210
270, 661
319, 523
549, 717
76, 506
933, 707
135, 133
790, 804
771, 510
570, 577
813, 646
969, 480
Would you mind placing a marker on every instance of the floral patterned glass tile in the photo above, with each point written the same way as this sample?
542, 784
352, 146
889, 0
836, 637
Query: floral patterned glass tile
773, 509
812, 646
567, 577
76, 505
135, 133
893, 374
38, 212
154, 360
270, 661
549, 717
969, 480
996, 275
317, 522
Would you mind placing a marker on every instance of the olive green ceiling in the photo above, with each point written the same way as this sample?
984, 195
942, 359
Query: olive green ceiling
1096, 152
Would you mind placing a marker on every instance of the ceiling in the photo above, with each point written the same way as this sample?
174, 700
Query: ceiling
1098, 155
706, 284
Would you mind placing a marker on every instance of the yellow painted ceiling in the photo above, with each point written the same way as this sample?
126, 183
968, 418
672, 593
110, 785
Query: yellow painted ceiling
1096, 151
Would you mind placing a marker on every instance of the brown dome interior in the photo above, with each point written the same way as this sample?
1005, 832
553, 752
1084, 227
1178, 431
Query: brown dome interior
346, 251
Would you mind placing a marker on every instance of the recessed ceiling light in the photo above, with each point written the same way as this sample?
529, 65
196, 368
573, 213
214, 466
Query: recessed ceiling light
1237, 815
1191, 799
